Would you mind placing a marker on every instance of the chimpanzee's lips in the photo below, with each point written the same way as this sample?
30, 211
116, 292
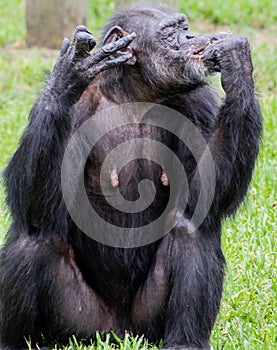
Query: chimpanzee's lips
199, 53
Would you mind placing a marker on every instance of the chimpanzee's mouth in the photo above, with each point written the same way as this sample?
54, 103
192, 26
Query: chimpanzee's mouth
199, 53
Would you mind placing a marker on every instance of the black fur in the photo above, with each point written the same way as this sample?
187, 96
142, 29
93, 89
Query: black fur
57, 281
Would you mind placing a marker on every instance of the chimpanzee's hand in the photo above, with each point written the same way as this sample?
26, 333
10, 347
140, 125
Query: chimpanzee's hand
76, 67
231, 56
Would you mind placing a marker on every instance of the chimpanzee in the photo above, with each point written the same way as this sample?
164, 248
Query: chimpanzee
56, 279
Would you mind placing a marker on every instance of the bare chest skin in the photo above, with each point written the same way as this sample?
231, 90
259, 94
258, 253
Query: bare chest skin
134, 156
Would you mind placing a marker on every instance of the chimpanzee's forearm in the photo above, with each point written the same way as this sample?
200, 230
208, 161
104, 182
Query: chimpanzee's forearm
234, 148
234, 144
32, 175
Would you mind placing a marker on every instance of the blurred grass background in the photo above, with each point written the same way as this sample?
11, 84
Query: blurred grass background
248, 312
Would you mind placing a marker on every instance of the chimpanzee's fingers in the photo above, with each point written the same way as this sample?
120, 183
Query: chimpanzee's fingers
65, 46
113, 47
94, 70
83, 41
117, 61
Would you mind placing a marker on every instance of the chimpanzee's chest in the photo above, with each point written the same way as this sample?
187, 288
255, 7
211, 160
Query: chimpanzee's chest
125, 174
129, 159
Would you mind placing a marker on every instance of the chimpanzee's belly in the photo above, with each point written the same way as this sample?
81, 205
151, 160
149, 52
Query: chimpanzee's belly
135, 197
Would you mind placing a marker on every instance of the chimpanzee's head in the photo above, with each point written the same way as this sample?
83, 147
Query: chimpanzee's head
166, 53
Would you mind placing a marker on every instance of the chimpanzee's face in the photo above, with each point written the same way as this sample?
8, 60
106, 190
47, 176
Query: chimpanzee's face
169, 54
181, 46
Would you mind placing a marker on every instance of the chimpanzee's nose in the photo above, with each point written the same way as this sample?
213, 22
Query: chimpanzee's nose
190, 35
214, 39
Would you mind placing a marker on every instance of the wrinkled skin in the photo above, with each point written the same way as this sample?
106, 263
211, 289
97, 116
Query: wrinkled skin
57, 281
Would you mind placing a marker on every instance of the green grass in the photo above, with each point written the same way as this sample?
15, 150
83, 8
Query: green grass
255, 13
248, 312
103, 342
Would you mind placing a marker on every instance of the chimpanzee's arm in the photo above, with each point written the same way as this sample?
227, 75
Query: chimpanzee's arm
32, 176
235, 143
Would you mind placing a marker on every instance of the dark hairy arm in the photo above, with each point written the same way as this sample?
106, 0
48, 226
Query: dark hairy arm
234, 144
32, 176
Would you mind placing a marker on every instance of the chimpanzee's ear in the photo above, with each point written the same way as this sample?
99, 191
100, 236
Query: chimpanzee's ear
116, 33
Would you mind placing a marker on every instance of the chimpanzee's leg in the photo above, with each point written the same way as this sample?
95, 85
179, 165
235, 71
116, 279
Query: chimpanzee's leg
42, 290
183, 289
